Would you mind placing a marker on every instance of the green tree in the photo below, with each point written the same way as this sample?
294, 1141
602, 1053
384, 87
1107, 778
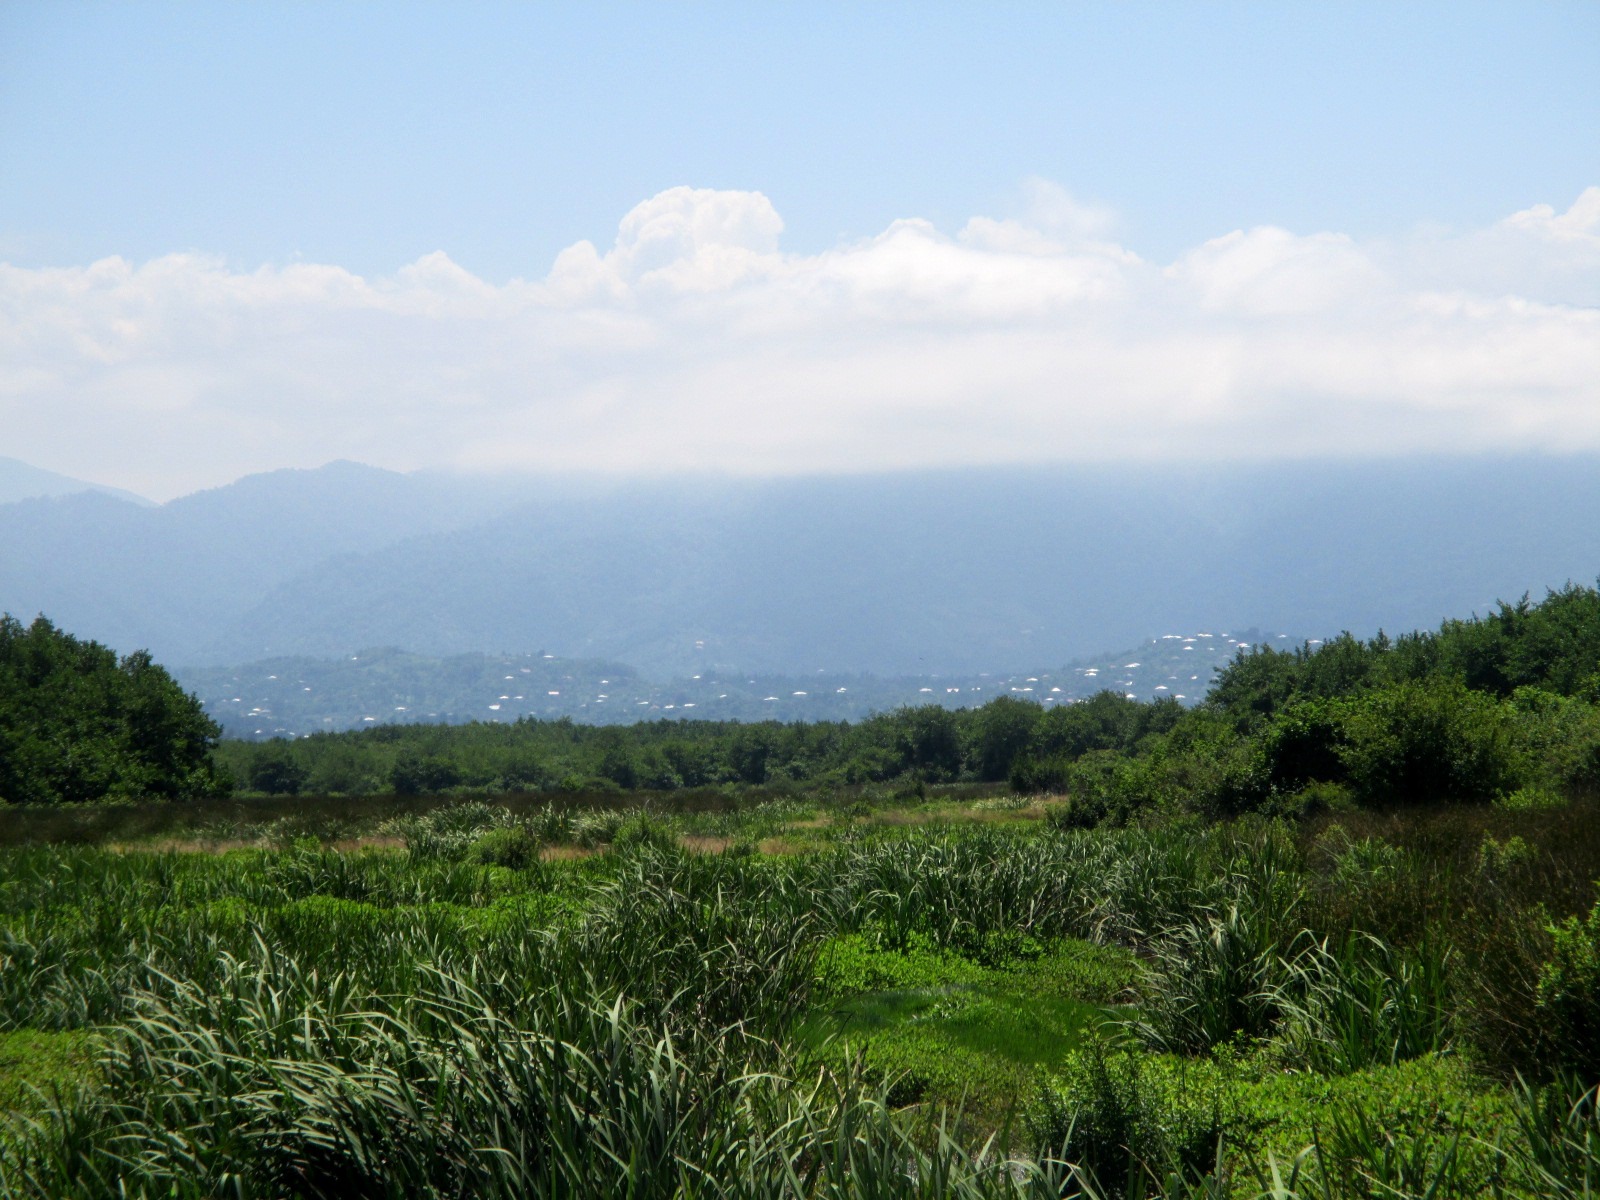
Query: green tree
416, 774
78, 724
1000, 732
276, 772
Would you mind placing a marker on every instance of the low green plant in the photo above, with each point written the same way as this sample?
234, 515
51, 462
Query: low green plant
34, 1063
1568, 1003
1531, 799
1558, 1151
1131, 1120
513, 846
858, 963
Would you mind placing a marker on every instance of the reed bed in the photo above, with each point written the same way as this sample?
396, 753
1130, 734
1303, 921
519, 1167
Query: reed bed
462, 1017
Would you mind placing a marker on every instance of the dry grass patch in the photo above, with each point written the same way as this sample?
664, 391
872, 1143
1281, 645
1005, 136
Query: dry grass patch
785, 845
697, 844
191, 845
566, 853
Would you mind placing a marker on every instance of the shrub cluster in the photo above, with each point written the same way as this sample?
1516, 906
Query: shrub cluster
79, 724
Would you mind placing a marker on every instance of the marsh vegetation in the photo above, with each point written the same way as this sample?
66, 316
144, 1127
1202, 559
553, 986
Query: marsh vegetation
895, 997
1333, 934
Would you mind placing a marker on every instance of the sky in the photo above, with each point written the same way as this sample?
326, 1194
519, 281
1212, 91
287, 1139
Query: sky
792, 238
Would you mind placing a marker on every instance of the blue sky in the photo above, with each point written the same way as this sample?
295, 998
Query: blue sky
798, 237
369, 134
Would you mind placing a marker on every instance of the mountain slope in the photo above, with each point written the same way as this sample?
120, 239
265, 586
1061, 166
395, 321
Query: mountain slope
907, 574
22, 481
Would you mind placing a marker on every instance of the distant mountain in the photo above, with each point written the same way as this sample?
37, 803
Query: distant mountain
172, 578
20, 481
291, 697
914, 574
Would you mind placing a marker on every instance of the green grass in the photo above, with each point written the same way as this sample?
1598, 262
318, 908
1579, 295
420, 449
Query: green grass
940, 1029
33, 1062
424, 1019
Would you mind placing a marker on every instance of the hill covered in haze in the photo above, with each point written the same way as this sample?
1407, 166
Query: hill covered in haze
913, 574
288, 697
21, 481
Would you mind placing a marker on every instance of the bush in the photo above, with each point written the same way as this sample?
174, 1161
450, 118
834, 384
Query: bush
645, 830
449, 833
1130, 1119
1304, 745
1568, 1004
596, 828
1102, 785
1316, 798
514, 846
550, 824
1436, 740
1032, 776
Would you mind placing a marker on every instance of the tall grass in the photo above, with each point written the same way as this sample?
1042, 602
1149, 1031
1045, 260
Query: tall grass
274, 1082
451, 1021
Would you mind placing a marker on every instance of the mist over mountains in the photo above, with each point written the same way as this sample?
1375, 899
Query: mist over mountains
22, 481
895, 574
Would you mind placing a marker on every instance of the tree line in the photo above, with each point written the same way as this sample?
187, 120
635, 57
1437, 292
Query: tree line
1485, 707
1493, 706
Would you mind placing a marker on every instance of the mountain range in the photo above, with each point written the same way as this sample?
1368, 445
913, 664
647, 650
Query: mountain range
909, 574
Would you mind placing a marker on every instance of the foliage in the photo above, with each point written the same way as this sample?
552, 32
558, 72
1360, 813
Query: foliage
1553, 645
1569, 995
36, 1065
77, 724
1131, 1119
1436, 740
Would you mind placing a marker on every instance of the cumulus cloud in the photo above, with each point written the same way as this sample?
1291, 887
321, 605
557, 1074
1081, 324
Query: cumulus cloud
694, 341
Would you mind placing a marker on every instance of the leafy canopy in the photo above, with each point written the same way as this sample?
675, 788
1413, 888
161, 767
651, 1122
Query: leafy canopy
78, 724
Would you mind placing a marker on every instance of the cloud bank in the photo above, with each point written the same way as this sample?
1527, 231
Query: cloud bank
695, 342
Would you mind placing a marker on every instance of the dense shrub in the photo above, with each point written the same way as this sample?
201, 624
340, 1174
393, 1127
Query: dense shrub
514, 846
1435, 740
1569, 995
79, 724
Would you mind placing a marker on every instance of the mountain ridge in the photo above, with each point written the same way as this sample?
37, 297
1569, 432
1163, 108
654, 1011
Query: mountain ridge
24, 481
917, 573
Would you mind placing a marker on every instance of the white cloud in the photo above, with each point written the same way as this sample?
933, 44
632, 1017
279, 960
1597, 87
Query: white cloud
695, 342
